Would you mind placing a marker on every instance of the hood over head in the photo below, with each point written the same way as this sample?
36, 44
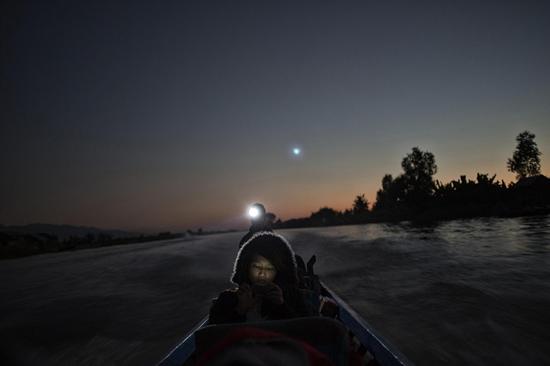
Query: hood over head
276, 249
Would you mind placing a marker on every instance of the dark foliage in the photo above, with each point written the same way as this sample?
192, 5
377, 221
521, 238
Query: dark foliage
15, 244
526, 159
414, 195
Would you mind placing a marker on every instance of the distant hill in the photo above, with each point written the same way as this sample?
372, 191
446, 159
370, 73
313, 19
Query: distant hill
63, 231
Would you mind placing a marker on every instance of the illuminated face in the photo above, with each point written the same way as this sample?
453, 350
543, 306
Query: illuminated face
261, 271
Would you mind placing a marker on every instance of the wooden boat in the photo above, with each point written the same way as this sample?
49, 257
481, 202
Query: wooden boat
372, 348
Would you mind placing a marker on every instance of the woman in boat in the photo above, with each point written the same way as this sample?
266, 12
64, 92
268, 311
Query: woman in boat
267, 283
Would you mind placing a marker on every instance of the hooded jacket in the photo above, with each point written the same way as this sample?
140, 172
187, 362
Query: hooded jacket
277, 250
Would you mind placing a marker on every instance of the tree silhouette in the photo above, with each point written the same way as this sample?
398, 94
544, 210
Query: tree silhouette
384, 198
412, 188
324, 216
360, 205
418, 167
526, 159
392, 194
468, 192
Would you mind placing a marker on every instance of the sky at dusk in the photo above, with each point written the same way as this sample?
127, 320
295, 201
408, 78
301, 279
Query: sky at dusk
150, 116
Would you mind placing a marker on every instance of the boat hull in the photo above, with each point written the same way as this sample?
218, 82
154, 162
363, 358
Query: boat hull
370, 344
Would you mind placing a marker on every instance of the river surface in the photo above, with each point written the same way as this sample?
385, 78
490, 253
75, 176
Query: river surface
473, 292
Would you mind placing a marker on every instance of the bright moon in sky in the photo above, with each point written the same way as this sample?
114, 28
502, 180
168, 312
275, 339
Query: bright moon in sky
296, 151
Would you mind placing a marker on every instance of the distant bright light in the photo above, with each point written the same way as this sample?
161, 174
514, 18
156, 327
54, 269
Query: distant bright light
296, 151
254, 212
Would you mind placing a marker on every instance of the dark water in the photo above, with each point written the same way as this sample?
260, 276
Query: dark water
461, 292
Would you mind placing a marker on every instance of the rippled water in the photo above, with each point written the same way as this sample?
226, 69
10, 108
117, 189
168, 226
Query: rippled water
464, 291
461, 292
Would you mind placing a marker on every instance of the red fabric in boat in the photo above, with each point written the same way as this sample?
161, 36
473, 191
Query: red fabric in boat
315, 357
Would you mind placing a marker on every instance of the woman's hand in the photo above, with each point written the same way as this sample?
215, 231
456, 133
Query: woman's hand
270, 292
247, 299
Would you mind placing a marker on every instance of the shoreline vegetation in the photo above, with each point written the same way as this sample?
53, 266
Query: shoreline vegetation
459, 199
415, 196
16, 243
412, 196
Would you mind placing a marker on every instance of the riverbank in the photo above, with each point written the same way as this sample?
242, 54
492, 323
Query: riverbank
456, 200
15, 244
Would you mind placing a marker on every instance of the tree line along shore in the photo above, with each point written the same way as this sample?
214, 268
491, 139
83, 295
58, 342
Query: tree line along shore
413, 195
